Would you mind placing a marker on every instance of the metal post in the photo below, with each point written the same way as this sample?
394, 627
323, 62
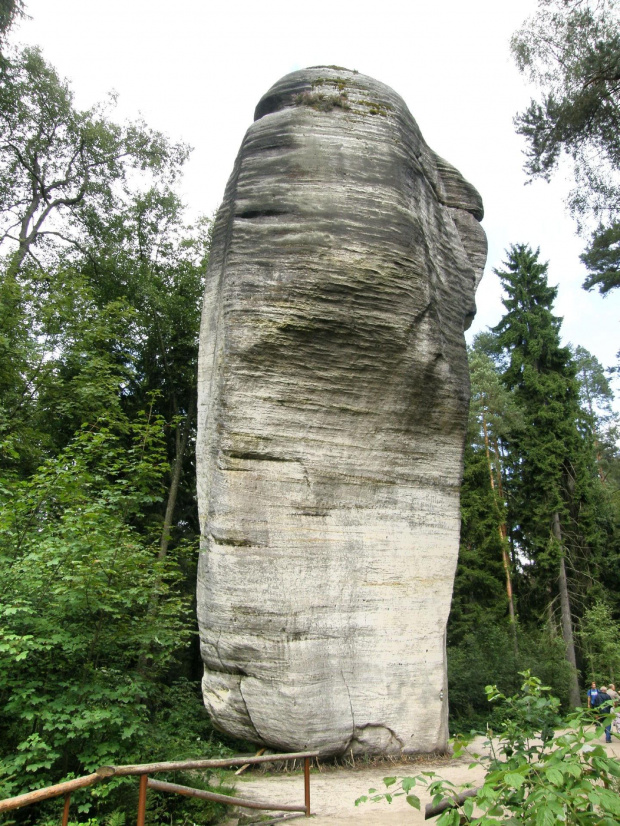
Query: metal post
307, 785
142, 799
65, 811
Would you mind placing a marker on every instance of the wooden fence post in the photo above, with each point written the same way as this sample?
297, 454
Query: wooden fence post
307, 785
65, 811
142, 799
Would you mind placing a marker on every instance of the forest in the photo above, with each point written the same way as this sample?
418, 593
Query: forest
101, 279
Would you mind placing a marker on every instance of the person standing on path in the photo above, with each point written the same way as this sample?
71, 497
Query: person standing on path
603, 705
615, 697
591, 693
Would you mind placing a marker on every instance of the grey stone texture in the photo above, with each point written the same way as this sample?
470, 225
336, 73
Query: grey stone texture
333, 395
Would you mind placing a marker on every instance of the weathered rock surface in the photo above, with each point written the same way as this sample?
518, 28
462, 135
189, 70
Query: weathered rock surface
332, 410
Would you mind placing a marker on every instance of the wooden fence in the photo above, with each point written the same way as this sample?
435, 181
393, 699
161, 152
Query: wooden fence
143, 770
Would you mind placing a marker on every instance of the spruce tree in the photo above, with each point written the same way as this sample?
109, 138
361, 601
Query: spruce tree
550, 466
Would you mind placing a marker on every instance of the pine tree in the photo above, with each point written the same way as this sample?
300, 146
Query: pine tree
550, 475
570, 49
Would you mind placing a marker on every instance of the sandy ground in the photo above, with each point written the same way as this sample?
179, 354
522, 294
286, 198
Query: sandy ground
333, 791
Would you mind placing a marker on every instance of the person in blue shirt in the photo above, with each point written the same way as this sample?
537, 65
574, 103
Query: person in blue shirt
603, 704
592, 693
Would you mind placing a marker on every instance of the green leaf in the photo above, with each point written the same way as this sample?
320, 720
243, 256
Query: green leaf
495, 811
554, 776
413, 800
609, 801
389, 781
450, 817
545, 816
513, 779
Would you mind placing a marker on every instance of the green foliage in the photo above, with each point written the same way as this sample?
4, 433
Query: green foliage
183, 811
322, 102
402, 786
480, 585
76, 584
147, 258
571, 50
76, 234
594, 387
92, 623
486, 654
100, 290
10, 11
56, 161
540, 450
532, 774
551, 460
479, 589
602, 259
599, 416
600, 637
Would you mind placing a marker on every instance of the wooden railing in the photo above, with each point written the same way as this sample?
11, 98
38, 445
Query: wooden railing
143, 770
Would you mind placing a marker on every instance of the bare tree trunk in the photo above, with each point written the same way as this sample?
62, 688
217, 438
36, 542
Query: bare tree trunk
182, 438
503, 532
599, 460
550, 618
567, 622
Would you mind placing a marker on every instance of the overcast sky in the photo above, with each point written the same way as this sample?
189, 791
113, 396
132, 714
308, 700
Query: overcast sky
195, 69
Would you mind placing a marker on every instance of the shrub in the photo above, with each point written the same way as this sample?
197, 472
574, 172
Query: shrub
533, 775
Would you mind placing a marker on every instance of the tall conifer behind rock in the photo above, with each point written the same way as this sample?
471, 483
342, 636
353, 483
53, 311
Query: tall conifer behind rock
551, 473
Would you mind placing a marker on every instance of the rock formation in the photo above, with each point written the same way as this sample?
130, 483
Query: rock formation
332, 411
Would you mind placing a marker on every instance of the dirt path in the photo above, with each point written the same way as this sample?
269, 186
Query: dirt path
333, 791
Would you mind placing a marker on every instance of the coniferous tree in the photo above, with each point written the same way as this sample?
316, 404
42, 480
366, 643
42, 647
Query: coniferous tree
484, 558
597, 403
10, 11
551, 468
570, 49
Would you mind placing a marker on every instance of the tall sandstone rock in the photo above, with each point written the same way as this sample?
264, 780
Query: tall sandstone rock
332, 412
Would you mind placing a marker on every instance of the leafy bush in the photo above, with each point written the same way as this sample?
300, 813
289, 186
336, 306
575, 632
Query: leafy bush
485, 656
533, 775
91, 619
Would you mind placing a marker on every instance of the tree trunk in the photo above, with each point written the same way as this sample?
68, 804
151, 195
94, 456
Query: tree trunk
182, 439
550, 618
503, 532
181, 446
567, 622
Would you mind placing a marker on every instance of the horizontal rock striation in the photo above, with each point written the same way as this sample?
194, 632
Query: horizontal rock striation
332, 410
